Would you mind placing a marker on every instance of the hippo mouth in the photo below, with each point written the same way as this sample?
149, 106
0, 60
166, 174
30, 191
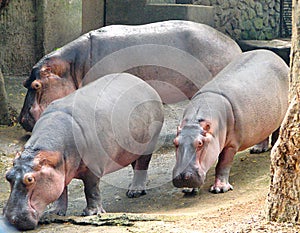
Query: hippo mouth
188, 181
23, 221
22, 218
27, 122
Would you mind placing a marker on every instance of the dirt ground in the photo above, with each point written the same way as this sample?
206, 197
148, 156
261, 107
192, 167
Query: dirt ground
164, 208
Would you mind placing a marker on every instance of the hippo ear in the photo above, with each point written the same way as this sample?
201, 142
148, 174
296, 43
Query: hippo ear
48, 158
18, 154
58, 67
45, 71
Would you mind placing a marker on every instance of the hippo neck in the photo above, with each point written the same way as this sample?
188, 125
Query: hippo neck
78, 54
52, 132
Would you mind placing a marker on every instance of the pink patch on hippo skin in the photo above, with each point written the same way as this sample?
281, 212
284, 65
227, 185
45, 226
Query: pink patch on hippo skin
220, 187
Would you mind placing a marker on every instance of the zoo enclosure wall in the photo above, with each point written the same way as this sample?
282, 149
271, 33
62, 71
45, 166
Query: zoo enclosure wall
30, 29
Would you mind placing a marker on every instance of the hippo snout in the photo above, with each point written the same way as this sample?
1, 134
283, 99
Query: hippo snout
27, 122
22, 221
188, 179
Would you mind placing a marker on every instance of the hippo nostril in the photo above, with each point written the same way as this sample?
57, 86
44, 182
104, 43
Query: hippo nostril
186, 175
22, 119
13, 220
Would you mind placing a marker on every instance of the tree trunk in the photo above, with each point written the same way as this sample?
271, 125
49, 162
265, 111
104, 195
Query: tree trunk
4, 113
283, 203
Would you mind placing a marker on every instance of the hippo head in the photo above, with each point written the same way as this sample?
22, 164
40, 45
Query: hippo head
192, 158
49, 80
36, 180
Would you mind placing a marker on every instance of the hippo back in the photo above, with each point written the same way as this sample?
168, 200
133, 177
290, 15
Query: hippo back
203, 42
256, 85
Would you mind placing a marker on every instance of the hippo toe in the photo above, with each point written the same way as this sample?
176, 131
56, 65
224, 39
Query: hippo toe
221, 188
135, 193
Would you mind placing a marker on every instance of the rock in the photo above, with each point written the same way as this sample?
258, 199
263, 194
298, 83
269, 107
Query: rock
277, 8
272, 4
258, 23
246, 25
203, 3
266, 20
272, 12
261, 36
272, 22
218, 10
241, 6
234, 23
251, 13
269, 33
259, 9
251, 3
252, 33
232, 3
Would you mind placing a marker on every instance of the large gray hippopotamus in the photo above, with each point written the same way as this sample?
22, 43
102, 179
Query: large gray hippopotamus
175, 57
102, 127
240, 107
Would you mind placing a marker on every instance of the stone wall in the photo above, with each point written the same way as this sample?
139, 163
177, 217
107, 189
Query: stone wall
31, 28
149, 11
17, 40
62, 22
161, 1
93, 14
246, 19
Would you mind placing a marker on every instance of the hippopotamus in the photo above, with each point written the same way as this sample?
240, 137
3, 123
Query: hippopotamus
175, 57
240, 107
100, 128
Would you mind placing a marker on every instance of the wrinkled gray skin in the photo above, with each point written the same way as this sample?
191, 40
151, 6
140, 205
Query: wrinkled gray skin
240, 107
102, 127
176, 57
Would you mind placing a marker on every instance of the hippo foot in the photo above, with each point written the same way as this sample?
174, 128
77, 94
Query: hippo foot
260, 147
54, 212
190, 191
135, 193
221, 188
57, 210
88, 211
255, 150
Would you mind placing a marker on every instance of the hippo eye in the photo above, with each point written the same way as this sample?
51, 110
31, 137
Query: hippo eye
28, 179
36, 85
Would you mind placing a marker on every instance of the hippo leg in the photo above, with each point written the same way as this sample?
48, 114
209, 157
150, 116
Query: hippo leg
222, 171
61, 204
138, 185
260, 147
92, 194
